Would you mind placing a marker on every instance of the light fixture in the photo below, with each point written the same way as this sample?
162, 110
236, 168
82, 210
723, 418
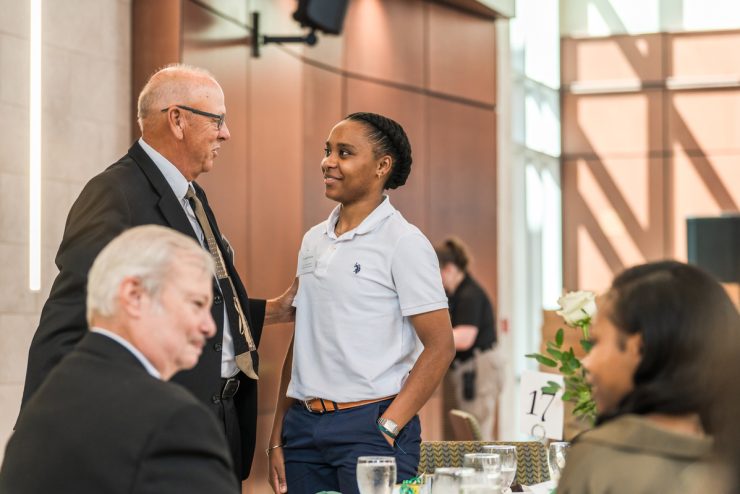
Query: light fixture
34, 162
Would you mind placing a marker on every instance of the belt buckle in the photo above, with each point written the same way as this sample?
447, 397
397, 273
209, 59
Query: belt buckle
231, 386
307, 404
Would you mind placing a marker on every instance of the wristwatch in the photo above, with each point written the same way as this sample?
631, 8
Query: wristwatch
389, 426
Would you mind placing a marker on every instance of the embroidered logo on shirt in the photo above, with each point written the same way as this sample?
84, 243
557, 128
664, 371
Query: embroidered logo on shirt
357, 267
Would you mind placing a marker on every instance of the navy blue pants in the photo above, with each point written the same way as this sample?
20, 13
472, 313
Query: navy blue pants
321, 450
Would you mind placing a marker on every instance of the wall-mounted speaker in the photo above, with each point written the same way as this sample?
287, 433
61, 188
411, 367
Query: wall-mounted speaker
324, 15
714, 246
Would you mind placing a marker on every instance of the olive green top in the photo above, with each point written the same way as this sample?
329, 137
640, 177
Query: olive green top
630, 454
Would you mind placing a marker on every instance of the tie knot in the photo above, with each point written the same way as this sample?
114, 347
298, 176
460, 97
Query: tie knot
190, 194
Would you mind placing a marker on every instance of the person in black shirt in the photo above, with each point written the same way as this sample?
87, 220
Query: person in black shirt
476, 373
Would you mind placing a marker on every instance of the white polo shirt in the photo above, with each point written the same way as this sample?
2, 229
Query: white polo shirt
353, 337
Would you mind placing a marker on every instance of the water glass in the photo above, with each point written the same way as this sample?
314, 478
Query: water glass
488, 466
556, 455
508, 462
376, 474
449, 480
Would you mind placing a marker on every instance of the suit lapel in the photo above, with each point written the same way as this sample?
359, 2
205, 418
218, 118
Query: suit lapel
168, 204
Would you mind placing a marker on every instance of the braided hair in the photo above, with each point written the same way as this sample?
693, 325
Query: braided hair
388, 137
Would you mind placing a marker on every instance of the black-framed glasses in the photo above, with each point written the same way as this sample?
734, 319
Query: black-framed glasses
218, 118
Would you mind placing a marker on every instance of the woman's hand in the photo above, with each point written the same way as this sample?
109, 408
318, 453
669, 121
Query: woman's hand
276, 470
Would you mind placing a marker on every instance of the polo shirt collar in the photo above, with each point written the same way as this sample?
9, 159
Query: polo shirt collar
177, 181
384, 210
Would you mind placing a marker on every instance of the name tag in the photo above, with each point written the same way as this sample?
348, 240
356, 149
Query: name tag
307, 264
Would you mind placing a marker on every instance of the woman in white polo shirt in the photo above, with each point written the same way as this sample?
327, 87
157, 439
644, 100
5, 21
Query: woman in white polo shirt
372, 337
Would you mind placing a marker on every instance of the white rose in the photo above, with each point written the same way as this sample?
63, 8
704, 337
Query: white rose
577, 306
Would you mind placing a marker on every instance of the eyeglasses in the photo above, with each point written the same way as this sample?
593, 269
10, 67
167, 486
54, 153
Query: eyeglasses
218, 118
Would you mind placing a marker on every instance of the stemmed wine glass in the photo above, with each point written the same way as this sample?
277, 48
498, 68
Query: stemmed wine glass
508, 462
488, 467
449, 480
376, 474
556, 455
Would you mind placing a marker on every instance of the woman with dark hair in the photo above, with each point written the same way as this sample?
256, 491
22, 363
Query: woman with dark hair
476, 375
652, 371
372, 335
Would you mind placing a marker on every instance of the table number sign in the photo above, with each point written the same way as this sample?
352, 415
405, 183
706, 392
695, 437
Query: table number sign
541, 414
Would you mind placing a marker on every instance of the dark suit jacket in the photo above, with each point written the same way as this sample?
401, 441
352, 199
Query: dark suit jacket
129, 193
101, 423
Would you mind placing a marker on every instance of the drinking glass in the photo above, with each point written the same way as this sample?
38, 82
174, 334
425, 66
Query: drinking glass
376, 474
488, 466
449, 480
508, 462
556, 459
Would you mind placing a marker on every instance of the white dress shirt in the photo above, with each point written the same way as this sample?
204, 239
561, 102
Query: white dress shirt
179, 185
131, 348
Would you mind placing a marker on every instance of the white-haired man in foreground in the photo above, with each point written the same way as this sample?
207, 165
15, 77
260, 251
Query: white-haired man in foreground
105, 419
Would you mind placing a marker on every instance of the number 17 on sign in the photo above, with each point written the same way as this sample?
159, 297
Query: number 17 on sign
541, 414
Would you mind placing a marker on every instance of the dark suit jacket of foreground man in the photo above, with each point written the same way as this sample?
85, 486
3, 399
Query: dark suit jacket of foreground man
130, 193
102, 424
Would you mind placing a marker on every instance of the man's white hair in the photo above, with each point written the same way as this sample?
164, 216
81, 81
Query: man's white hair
145, 252
170, 85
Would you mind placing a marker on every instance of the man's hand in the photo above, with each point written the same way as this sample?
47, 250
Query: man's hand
276, 471
281, 309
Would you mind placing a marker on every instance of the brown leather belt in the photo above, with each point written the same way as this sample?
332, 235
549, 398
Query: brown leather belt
320, 405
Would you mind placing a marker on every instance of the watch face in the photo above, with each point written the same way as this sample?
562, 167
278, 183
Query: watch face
389, 424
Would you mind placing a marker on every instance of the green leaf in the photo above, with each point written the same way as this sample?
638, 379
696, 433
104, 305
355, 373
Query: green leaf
555, 353
586, 345
542, 359
551, 388
559, 338
566, 369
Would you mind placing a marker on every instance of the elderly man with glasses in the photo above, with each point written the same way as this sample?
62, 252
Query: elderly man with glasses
181, 113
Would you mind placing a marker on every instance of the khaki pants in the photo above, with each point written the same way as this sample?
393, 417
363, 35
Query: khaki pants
489, 368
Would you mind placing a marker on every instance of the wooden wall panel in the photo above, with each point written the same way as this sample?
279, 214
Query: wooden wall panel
408, 109
323, 106
156, 26
227, 182
385, 39
462, 54
322, 100
462, 159
275, 156
612, 218
612, 60
612, 124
